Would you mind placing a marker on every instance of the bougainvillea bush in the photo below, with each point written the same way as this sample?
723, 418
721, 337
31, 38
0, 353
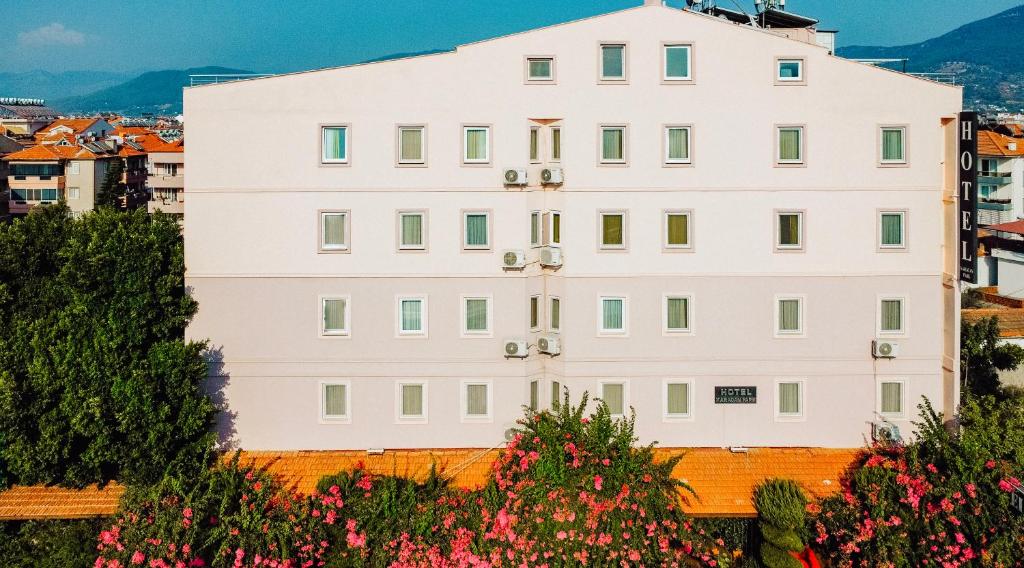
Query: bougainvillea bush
943, 500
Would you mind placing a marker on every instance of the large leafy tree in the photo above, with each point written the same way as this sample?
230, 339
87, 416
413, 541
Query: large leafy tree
982, 356
96, 380
111, 189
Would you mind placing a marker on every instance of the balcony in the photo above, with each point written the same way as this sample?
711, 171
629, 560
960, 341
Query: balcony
167, 206
994, 178
169, 182
31, 182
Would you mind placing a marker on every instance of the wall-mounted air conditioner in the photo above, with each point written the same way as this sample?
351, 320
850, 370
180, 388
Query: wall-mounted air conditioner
516, 348
515, 176
551, 256
882, 349
551, 176
550, 344
513, 258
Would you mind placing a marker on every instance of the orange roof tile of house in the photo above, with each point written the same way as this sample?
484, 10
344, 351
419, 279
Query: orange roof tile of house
77, 125
51, 152
131, 130
168, 147
723, 480
1011, 320
995, 144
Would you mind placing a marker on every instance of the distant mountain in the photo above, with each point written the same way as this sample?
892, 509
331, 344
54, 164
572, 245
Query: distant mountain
45, 85
983, 54
153, 92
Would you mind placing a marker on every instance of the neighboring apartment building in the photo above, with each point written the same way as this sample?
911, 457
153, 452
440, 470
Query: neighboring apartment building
44, 174
1000, 178
67, 130
23, 117
167, 177
730, 219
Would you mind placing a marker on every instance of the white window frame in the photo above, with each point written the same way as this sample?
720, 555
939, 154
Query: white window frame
422, 128
551, 146
464, 401
665, 213
802, 160
468, 334
322, 398
624, 213
903, 139
802, 64
777, 401
903, 229
465, 147
530, 79
625, 394
348, 145
423, 229
902, 414
334, 334
536, 224
548, 237
665, 415
609, 79
625, 145
665, 79
802, 331
904, 315
74, 168
689, 314
411, 419
465, 226
551, 313
535, 130
668, 160
74, 193
324, 247
540, 312
601, 331
801, 230
399, 332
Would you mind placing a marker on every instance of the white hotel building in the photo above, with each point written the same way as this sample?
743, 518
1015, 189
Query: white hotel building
738, 208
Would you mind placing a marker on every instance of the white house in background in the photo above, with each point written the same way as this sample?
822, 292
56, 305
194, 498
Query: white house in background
1000, 178
425, 245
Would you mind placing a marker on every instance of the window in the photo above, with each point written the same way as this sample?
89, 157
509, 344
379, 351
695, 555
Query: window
553, 233
613, 230
534, 312
613, 62
791, 145
677, 400
556, 394
789, 316
790, 399
986, 191
476, 230
73, 193
890, 398
891, 316
614, 395
334, 145
334, 316
476, 316
534, 395
74, 168
677, 145
334, 402
789, 70
171, 169
412, 315
534, 144
556, 315
334, 231
411, 233
412, 149
476, 147
612, 315
412, 401
789, 227
677, 314
893, 149
678, 64
989, 165
476, 401
540, 69
556, 144
613, 144
891, 230
677, 230
535, 228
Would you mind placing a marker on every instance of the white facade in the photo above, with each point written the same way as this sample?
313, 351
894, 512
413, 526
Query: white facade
257, 266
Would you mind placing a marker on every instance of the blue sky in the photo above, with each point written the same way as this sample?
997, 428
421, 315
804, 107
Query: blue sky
287, 35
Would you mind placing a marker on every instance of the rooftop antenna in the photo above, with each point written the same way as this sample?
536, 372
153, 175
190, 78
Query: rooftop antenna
765, 5
709, 6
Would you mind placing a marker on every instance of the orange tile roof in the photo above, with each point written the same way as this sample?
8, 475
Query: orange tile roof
995, 144
77, 125
38, 502
176, 146
131, 130
50, 152
1011, 320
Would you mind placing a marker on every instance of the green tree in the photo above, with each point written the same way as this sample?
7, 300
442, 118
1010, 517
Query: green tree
111, 190
982, 356
96, 380
782, 512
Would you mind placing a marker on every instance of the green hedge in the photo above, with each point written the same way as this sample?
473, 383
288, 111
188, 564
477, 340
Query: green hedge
49, 544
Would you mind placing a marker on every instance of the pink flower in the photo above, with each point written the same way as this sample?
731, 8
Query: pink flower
561, 535
990, 464
187, 512
598, 480
138, 557
1005, 485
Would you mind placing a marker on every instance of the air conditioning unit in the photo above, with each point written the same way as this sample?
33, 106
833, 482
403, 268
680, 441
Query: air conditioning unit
884, 349
885, 432
550, 344
513, 259
552, 176
515, 177
551, 256
516, 348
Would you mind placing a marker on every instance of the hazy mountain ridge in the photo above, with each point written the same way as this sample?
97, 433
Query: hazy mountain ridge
40, 84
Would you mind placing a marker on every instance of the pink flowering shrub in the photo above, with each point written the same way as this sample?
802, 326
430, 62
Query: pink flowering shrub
943, 500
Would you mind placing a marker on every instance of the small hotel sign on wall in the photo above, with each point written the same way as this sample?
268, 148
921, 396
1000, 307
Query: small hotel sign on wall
968, 159
735, 395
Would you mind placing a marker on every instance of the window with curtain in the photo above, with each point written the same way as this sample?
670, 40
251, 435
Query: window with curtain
613, 230
789, 399
534, 144
677, 401
534, 395
892, 229
410, 139
335, 144
534, 312
893, 149
333, 226
556, 316
613, 62
677, 145
614, 395
790, 70
613, 144
556, 228
411, 230
476, 315
411, 315
556, 394
335, 316
412, 401
476, 400
613, 315
677, 313
789, 315
677, 229
335, 401
540, 68
477, 149
892, 398
477, 235
677, 62
556, 144
790, 230
535, 228
791, 145
892, 315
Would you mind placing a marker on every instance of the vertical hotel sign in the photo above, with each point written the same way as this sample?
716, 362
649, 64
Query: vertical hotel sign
968, 129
